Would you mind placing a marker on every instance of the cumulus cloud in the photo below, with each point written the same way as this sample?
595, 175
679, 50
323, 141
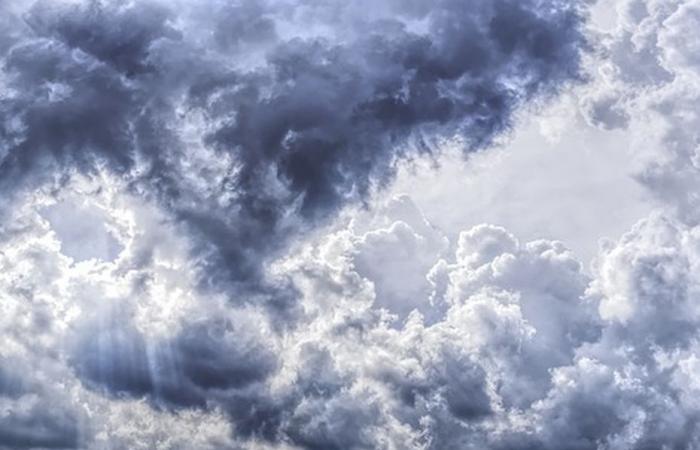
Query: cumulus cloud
529, 352
647, 83
316, 119
518, 347
243, 296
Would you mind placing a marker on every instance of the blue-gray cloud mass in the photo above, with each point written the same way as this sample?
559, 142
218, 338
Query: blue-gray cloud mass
221, 137
323, 117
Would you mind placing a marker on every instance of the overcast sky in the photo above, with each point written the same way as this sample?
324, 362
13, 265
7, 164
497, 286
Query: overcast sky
396, 224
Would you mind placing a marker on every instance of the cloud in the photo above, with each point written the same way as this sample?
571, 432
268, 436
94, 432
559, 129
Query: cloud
523, 349
253, 301
528, 351
316, 122
33, 415
647, 83
238, 157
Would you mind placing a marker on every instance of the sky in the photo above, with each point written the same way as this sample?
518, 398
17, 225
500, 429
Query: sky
396, 224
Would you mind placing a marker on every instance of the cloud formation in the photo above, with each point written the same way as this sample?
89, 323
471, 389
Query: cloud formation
519, 347
647, 83
249, 300
304, 122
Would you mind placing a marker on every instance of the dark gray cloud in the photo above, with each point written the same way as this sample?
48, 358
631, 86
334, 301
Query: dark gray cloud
215, 354
296, 109
30, 417
323, 117
328, 119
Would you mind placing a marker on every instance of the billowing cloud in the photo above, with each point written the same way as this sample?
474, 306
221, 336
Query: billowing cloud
647, 83
191, 256
518, 348
529, 352
315, 117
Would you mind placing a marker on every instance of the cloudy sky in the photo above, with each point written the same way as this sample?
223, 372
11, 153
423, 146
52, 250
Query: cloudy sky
322, 224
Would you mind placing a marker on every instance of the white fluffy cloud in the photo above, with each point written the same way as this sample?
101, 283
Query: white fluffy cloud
526, 351
647, 82
505, 344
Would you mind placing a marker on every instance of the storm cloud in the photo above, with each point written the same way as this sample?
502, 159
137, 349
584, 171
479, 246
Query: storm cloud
300, 121
225, 154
